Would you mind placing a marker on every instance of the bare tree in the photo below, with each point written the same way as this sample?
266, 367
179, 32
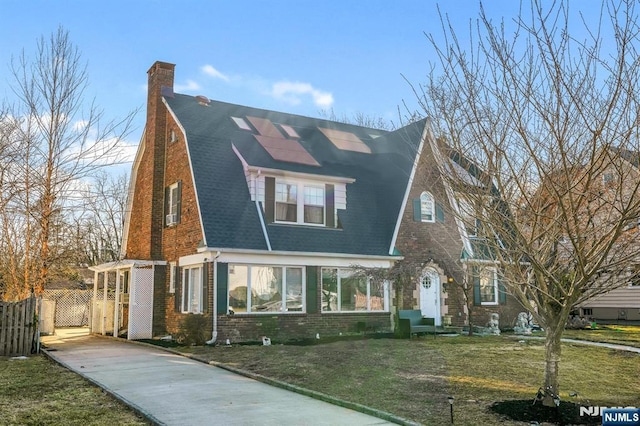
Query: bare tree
553, 122
99, 227
61, 143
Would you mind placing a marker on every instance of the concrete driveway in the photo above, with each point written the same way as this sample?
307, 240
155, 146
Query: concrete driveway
174, 390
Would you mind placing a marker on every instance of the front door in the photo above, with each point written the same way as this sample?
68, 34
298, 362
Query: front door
430, 295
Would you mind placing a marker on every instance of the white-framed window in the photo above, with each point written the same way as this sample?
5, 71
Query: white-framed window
427, 207
192, 290
173, 204
173, 269
343, 290
308, 209
286, 202
266, 289
488, 286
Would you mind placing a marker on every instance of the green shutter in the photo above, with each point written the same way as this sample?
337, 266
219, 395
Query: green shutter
221, 290
417, 214
205, 288
312, 289
439, 213
177, 295
502, 292
270, 199
475, 276
330, 206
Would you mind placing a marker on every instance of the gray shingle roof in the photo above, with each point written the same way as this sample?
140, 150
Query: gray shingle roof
230, 218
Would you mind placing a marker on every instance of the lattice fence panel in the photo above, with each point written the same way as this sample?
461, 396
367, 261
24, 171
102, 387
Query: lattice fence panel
73, 306
141, 307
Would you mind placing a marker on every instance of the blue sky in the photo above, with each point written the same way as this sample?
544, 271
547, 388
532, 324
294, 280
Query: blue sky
293, 56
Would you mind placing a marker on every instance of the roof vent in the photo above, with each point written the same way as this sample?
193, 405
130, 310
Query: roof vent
203, 100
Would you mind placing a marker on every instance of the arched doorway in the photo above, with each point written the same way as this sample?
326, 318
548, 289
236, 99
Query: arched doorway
430, 295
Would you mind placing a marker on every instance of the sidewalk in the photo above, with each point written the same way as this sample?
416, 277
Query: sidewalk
173, 390
585, 342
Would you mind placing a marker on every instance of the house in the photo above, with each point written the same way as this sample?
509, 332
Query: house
261, 221
623, 302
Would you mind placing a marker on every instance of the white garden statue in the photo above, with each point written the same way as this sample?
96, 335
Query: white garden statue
493, 326
523, 325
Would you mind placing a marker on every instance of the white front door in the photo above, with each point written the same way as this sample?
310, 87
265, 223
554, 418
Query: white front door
430, 295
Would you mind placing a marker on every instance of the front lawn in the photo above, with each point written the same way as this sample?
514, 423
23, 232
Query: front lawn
619, 334
37, 391
412, 378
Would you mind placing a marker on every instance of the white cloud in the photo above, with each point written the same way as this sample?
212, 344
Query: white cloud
80, 125
190, 86
292, 92
212, 72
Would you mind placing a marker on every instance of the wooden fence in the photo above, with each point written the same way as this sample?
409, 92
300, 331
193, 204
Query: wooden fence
18, 327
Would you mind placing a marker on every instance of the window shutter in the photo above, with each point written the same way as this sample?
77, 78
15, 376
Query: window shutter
167, 208
179, 201
502, 292
205, 288
475, 276
417, 214
330, 209
221, 291
270, 198
439, 213
312, 289
178, 294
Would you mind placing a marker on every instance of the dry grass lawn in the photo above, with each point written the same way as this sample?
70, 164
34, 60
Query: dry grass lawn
412, 378
37, 391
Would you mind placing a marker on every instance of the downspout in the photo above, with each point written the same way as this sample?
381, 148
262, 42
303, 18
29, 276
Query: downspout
214, 333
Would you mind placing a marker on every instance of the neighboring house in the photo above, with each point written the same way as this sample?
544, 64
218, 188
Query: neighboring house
622, 303
260, 221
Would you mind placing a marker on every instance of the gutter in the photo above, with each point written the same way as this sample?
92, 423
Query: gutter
214, 332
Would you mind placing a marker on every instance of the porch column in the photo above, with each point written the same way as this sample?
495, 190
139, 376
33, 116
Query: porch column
105, 284
94, 299
116, 312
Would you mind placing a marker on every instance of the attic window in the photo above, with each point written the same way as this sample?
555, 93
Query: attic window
290, 131
241, 123
173, 137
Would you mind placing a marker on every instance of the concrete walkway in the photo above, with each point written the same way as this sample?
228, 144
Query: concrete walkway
174, 390
587, 342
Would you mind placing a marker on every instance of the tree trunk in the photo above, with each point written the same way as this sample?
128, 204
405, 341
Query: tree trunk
552, 352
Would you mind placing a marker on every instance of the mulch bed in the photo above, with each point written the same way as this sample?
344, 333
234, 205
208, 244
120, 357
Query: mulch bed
567, 413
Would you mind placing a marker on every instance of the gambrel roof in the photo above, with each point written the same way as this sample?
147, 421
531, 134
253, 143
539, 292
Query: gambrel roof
224, 141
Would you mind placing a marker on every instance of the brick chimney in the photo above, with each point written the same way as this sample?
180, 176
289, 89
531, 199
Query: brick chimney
144, 240
160, 81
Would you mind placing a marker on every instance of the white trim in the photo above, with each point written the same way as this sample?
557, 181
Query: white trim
185, 289
276, 258
131, 190
124, 264
416, 161
193, 177
264, 227
462, 229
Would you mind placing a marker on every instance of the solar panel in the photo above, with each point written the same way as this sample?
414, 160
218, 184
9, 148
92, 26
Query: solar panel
277, 146
345, 141
290, 131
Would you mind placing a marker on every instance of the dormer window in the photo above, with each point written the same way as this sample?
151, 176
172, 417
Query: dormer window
314, 205
427, 207
286, 202
291, 208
